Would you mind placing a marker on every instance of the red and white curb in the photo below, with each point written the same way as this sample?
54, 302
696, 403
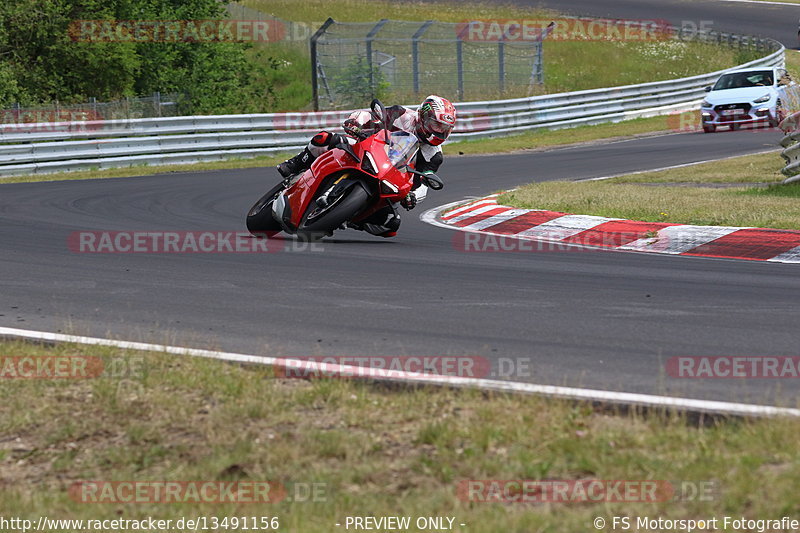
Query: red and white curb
689, 405
486, 216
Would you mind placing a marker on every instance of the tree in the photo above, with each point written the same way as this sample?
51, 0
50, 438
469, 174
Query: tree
41, 60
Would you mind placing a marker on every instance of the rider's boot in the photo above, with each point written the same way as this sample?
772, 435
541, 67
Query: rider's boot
321, 142
297, 164
384, 223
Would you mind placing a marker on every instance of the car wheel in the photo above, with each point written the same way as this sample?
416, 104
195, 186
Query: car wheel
707, 128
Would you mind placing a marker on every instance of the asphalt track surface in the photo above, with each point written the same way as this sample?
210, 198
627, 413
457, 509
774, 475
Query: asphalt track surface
768, 20
595, 319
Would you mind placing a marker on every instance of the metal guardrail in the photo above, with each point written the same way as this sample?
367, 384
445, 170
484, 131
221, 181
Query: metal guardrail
69, 146
791, 142
791, 147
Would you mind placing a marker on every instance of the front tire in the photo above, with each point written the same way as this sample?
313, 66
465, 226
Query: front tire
345, 208
260, 221
709, 128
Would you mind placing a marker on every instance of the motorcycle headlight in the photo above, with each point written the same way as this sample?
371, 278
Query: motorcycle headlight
387, 187
763, 99
368, 164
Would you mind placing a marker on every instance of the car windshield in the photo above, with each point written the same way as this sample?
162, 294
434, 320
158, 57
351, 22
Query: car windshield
737, 80
402, 146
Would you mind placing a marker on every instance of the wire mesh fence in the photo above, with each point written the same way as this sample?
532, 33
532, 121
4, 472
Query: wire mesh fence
157, 105
357, 61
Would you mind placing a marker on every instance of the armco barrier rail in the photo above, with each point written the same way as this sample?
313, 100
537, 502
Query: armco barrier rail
791, 145
60, 147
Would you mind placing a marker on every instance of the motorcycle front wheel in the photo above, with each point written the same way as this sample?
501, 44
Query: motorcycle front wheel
320, 222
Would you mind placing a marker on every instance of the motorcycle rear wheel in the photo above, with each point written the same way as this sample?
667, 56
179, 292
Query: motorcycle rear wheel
260, 221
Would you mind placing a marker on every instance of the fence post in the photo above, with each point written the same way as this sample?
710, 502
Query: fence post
537, 74
501, 60
157, 102
370, 66
415, 53
315, 63
460, 60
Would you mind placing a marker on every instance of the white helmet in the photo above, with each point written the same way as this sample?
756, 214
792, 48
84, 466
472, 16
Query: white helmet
360, 124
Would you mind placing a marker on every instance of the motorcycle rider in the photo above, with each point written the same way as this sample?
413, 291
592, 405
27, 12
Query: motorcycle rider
432, 123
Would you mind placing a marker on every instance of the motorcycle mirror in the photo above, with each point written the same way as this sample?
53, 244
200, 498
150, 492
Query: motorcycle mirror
378, 110
433, 181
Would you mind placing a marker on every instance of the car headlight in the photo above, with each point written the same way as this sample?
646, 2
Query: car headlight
705, 103
763, 99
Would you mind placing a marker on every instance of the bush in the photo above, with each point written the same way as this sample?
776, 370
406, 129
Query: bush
353, 86
40, 63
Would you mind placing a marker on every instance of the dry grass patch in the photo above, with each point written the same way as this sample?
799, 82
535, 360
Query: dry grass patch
375, 450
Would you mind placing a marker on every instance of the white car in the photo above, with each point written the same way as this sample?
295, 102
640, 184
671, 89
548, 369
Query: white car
748, 96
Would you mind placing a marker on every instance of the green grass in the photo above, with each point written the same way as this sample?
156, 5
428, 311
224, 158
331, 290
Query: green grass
760, 168
550, 138
699, 200
569, 65
368, 450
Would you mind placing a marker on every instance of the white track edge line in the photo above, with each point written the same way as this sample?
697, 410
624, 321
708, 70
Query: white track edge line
761, 2
628, 398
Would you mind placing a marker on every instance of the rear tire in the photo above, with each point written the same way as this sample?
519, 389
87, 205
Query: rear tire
345, 209
260, 221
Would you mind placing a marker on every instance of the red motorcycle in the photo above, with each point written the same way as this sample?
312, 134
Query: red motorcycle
345, 184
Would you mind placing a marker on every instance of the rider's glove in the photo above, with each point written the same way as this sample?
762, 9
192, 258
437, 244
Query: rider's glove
409, 202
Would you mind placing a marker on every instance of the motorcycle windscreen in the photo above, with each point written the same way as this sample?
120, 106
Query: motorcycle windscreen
401, 148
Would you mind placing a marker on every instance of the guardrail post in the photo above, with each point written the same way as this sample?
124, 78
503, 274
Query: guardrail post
314, 63
415, 53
